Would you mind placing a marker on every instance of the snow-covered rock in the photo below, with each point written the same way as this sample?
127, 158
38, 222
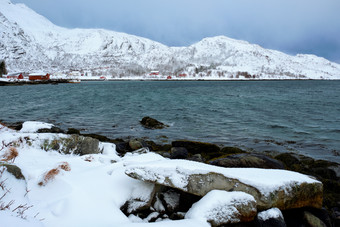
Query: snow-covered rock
141, 197
271, 213
171, 200
30, 42
221, 207
271, 188
34, 126
73, 144
271, 217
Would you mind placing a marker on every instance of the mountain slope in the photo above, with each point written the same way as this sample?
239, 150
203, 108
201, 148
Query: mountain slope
30, 42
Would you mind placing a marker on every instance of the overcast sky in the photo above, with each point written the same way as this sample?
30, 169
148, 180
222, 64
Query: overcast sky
291, 26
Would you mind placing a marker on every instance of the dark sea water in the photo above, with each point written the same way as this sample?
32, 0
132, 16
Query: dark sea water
295, 116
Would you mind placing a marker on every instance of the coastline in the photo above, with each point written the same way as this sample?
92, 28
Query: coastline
57, 81
201, 152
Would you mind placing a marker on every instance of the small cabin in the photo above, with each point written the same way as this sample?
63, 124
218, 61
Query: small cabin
154, 73
182, 75
12, 76
15, 76
38, 76
169, 78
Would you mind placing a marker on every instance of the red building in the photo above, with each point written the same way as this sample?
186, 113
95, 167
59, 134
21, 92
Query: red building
16, 76
39, 77
154, 73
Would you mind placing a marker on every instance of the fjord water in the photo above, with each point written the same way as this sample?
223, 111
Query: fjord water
283, 116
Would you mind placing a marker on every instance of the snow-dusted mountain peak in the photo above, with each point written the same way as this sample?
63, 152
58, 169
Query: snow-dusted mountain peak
30, 42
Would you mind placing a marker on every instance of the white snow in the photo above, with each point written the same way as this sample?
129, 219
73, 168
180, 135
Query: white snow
34, 126
90, 194
8, 220
220, 206
271, 213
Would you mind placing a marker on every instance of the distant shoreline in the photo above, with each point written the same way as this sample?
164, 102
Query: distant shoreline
57, 81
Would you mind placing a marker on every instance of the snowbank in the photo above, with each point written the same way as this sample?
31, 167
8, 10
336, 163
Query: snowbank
90, 194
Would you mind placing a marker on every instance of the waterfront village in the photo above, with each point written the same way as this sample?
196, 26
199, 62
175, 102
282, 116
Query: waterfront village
78, 76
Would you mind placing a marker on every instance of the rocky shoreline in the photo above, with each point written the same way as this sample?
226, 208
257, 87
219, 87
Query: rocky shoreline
311, 205
26, 82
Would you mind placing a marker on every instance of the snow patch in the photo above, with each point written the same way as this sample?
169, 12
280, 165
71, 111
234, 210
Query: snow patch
34, 126
271, 213
219, 206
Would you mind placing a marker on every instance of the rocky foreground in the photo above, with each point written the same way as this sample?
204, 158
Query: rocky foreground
201, 181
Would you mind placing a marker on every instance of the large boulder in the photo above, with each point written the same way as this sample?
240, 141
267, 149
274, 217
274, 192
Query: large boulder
135, 144
73, 144
312, 220
179, 153
248, 160
194, 147
325, 171
271, 188
222, 208
152, 123
87, 145
232, 150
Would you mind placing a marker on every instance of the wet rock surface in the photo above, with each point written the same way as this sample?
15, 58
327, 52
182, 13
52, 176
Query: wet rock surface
53, 129
179, 153
248, 160
195, 147
151, 123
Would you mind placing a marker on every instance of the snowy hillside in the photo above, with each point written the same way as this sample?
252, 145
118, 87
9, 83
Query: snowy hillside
29, 42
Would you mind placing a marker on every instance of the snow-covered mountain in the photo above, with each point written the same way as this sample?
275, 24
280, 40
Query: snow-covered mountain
30, 42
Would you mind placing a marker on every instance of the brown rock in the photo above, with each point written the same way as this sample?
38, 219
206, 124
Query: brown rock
152, 123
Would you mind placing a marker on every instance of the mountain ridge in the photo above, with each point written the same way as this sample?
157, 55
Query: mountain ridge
30, 42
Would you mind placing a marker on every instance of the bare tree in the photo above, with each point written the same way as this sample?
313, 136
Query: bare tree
3, 70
